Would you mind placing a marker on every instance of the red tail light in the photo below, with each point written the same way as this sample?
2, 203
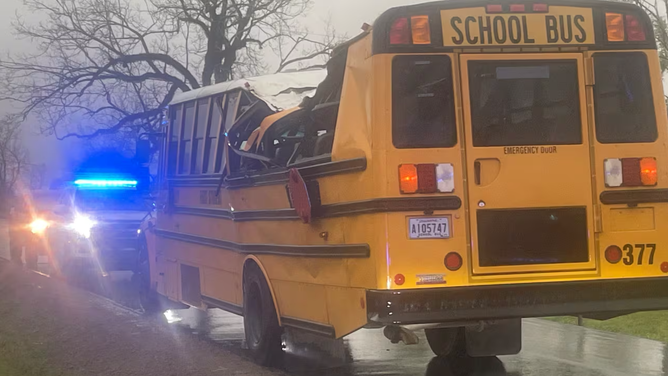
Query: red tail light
494, 8
400, 32
634, 29
399, 279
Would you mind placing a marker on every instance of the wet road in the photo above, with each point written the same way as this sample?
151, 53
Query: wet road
549, 348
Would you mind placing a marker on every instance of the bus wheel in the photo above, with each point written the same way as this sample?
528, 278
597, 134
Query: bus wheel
448, 343
263, 334
148, 299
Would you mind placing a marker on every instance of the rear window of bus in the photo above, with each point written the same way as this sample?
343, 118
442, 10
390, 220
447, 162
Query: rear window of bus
423, 113
623, 99
515, 103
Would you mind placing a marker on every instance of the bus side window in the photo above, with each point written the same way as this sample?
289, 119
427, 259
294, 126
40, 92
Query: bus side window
423, 113
175, 119
186, 137
623, 102
203, 116
212, 148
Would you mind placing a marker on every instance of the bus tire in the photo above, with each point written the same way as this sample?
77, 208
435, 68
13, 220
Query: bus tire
148, 299
448, 343
261, 329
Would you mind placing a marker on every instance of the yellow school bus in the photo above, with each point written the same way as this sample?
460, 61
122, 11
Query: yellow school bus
462, 165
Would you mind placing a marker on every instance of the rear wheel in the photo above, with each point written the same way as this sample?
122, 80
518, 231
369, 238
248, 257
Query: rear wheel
263, 334
448, 343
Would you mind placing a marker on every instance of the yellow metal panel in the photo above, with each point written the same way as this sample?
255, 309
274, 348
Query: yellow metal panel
347, 309
302, 300
221, 285
630, 219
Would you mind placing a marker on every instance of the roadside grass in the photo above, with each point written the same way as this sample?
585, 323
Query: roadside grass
651, 325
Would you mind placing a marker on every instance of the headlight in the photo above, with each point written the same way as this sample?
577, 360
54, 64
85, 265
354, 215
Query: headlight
82, 225
38, 226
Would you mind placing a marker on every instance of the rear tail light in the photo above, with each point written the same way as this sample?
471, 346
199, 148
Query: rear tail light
494, 8
426, 178
453, 261
630, 172
400, 32
408, 179
421, 30
399, 279
648, 171
414, 30
614, 22
613, 254
634, 29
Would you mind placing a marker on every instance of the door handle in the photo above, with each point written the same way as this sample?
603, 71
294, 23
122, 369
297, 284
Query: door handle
476, 172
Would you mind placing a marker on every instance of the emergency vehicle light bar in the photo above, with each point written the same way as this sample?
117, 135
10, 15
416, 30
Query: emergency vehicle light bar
100, 183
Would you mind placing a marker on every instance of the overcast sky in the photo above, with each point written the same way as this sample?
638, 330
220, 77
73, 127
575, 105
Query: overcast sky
347, 17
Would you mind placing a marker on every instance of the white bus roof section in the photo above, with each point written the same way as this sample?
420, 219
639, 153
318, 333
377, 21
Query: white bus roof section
280, 91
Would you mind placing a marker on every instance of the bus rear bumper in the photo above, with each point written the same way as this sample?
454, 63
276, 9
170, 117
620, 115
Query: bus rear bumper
598, 298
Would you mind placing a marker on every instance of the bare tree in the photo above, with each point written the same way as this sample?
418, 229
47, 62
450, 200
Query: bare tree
13, 156
107, 66
657, 13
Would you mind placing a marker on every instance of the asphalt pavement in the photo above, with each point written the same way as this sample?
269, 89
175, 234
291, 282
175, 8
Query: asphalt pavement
549, 349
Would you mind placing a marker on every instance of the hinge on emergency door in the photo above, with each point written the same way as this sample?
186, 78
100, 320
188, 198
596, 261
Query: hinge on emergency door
598, 223
589, 71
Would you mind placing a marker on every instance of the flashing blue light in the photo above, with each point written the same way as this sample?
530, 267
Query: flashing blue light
100, 183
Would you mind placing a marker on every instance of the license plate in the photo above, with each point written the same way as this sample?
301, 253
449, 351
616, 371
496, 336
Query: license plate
429, 227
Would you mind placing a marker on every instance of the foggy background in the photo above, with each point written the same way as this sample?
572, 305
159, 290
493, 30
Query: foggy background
347, 17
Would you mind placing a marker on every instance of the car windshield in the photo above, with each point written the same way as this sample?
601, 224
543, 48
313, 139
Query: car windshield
99, 200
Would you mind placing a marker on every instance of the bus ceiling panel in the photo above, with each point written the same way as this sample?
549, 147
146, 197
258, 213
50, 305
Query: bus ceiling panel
442, 15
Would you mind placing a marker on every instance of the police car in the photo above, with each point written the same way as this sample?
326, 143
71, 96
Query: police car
100, 213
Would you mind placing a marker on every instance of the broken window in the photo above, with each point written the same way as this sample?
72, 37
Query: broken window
261, 139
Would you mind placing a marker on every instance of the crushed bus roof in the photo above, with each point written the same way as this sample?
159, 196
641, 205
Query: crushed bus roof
280, 91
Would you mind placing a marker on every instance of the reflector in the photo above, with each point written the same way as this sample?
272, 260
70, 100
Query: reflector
453, 261
613, 172
613, 254
445, 177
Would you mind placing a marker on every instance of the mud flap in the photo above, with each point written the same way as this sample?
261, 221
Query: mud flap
503, 337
